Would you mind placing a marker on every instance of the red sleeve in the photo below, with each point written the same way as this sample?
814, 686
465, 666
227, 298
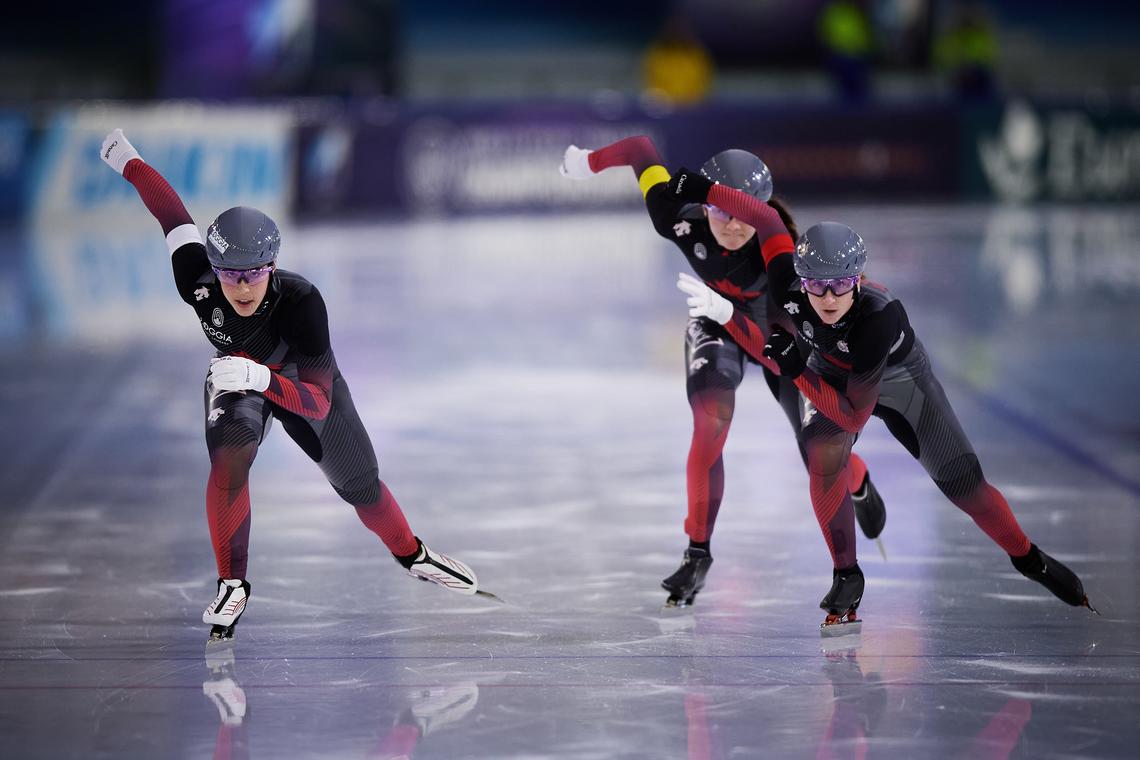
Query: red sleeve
870, 343
159, 197
307, 395
834, 405
749, 336
638, 152
851, 414
304, 384
770, 230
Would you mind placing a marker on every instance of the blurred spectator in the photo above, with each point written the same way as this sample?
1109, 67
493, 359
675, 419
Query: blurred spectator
676, 67
845, 34
965, 51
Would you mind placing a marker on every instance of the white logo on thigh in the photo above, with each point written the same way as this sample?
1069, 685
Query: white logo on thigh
697, 364
215, 414
217, 317
698, 338
809, 412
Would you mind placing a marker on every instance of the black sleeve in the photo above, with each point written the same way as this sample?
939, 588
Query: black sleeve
781, 279
305, 324
189, 263
872, 337
664, 210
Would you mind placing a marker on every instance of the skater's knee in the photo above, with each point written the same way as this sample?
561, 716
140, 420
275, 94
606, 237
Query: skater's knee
826, 460
960, 477
362, 490
229, 465
713, 406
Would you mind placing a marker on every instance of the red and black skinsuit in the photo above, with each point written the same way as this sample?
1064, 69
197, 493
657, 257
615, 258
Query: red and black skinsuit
714, 360
868, 363
289, 333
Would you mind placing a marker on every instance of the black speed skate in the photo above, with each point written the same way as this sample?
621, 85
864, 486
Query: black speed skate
684, 585
841, 602
870, 510
1053, 575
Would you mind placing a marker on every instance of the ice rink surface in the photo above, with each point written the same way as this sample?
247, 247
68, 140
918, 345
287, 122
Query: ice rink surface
522, 378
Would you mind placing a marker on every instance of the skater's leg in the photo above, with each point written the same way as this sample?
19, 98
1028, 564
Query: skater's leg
856, 473
712, 416
341, 448
869, 507
915, 408
345, 455
828, 450
235, 425
715, 368
925, 423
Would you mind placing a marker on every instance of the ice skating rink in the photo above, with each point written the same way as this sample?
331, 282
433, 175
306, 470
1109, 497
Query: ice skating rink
522, 379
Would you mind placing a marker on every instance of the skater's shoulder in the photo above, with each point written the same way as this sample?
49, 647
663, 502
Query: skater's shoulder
291, 283
875, 295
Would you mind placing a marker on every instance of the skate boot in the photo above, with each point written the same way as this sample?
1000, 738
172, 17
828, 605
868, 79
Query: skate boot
435, 707
1053, 575
870, 510
428, 565
842, 601
226, 609
222, 686
684, 585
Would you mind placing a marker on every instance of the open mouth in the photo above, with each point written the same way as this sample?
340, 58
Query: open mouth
245, 302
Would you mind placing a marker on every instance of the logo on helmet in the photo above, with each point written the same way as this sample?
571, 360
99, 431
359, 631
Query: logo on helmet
218, 241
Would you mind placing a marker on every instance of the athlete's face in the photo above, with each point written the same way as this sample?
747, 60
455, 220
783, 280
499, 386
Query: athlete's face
830, 307
244, 297
730, 234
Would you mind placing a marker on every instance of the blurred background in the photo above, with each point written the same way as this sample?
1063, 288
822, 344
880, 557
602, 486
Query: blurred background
514, 345
374, 109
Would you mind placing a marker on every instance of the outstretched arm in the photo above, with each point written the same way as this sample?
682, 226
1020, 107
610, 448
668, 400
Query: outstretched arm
638, 153
184, 241
155, 192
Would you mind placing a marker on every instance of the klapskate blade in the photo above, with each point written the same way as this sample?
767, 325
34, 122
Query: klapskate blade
840, 629
489, 595
882, 547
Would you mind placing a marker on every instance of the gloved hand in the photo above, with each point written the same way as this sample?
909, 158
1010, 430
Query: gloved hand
782, 349
234, 373
704, 301
117, 150
576, 163
689, 186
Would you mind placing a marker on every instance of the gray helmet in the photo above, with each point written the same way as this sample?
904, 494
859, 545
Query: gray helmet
829, 250
738, 169
242, 238
741, 170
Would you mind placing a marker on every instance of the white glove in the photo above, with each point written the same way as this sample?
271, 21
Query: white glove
117, 150
576, 163
234, 373
704, 301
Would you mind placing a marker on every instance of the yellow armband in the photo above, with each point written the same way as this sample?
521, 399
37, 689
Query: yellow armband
654, 175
